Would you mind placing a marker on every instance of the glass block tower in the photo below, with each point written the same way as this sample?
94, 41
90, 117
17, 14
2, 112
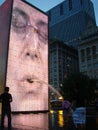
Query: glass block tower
69, 19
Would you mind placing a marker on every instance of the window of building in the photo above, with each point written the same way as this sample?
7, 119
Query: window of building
83, 67
82, 54
94, 52
95, 64
81, 2
88, 53
61, 9
70, 4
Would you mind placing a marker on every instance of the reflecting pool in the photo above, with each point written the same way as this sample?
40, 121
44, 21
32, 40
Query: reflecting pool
52, 120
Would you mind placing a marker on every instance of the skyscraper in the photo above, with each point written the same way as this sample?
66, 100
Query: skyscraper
88, 52
69, 19
63, 62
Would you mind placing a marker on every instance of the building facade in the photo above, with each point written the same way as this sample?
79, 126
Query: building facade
88, 52
63, 62
68, 19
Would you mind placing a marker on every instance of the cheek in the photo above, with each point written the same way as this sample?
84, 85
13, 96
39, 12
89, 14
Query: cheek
16, 45
44, 53
18, 35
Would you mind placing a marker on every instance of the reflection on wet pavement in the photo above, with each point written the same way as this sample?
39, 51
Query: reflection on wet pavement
53, 120
59, 121
30, 121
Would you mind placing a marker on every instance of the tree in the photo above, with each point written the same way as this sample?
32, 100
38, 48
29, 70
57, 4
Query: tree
78, 86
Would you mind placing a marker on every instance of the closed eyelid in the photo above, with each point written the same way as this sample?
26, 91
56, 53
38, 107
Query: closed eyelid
21, 24
19, 18
42, 26
20, 12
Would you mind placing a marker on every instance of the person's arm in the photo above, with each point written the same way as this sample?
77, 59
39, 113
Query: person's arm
10, 98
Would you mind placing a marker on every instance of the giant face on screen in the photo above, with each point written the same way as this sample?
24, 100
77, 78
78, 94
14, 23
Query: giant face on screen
27, 69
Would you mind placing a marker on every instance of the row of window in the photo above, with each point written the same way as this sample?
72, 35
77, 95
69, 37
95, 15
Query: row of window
91, 74
62, 8
88, 53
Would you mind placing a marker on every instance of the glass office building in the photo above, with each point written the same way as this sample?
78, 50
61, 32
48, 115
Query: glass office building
69, 19
63, 63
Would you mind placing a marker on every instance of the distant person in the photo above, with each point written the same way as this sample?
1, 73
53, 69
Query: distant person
6, 99
79, 113
66, 105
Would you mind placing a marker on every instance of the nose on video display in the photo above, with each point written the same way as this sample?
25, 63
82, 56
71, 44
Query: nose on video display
27, 68
5, 15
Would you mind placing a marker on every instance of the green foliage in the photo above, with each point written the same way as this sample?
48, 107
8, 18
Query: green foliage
78, 83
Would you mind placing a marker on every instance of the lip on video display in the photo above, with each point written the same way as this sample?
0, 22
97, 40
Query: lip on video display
27, 65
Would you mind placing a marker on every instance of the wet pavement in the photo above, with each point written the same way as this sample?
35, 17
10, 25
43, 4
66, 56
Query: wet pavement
53, 120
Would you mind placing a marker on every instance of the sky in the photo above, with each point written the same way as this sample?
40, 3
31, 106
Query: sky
45, 5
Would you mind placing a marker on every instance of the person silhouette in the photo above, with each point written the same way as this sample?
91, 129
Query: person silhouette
6, 98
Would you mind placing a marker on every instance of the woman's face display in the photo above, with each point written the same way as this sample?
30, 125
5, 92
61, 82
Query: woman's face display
27, 69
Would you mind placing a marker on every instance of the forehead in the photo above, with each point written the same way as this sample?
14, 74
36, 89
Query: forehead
32, 12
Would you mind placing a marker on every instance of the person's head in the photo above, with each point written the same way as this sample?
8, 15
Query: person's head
28, 58
6, 89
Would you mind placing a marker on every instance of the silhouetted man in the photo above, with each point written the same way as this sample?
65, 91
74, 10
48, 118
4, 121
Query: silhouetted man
6, 98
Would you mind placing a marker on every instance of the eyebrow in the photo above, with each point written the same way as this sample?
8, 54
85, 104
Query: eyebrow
21, 12
42, 23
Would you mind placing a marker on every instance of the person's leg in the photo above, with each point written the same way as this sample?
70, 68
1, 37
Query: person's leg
9, 120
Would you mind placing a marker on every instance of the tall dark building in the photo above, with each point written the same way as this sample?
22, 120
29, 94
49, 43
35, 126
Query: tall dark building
88, 52
63, 62
69, 19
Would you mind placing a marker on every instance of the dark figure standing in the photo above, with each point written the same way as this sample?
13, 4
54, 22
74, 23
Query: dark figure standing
6, 98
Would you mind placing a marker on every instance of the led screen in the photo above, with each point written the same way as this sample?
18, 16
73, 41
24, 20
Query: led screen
27, 68
31, 121
5, 15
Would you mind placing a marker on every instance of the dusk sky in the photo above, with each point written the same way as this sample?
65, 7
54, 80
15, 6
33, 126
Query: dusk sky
45, 5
